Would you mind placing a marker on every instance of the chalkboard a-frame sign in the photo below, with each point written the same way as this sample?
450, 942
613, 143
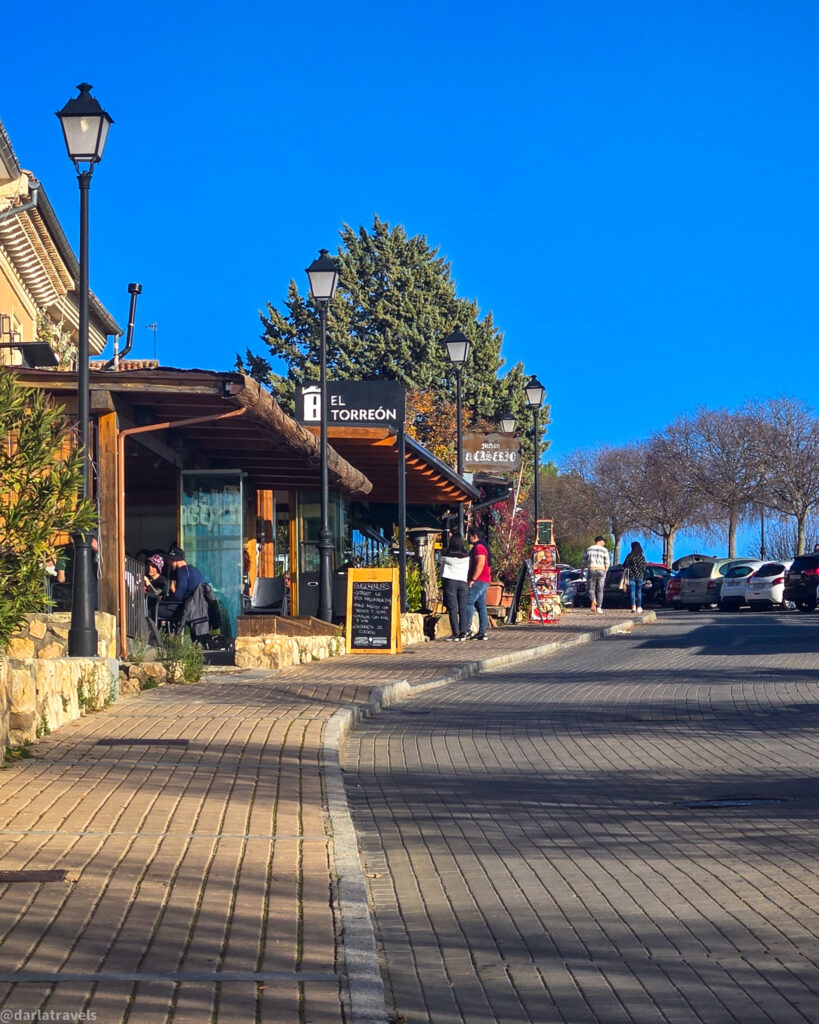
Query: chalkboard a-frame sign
373, 617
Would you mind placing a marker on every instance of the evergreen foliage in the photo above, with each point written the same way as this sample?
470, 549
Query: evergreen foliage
40, 478
396, 302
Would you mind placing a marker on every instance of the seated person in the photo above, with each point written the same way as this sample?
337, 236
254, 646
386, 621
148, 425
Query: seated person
156, 585
184, 578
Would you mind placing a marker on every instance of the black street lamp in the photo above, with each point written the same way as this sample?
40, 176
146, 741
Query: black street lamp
457, 346
535, 393
507, 423
323, 277
85, 127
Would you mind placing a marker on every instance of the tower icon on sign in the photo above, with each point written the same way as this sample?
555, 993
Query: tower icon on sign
312, 404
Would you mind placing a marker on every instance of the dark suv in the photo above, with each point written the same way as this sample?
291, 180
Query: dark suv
801, 580
654, 585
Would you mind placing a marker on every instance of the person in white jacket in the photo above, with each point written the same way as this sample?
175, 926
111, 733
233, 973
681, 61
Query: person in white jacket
454, 573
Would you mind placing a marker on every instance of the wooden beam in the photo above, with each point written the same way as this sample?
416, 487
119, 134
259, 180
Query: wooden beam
102, 401
264, 512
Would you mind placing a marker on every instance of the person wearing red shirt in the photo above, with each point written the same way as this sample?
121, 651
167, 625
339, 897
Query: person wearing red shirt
478, 579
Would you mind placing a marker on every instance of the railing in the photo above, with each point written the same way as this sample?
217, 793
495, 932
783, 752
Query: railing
136, 624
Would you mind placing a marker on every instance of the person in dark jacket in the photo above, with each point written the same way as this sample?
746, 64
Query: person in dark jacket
635, 562
184, 578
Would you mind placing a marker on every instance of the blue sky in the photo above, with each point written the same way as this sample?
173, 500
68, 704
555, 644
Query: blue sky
630, 187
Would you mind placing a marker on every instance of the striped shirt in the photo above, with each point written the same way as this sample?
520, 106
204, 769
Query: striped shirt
596, 558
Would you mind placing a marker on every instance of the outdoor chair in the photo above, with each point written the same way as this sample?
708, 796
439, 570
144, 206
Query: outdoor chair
269, 595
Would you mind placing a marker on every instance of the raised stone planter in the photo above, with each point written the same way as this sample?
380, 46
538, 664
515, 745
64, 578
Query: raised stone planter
275, 651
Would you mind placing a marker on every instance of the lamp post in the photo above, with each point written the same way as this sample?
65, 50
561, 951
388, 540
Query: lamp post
507, 423
323, 277
85, 127
457, 346
535, 393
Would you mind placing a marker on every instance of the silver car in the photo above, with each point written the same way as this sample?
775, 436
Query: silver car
701, 582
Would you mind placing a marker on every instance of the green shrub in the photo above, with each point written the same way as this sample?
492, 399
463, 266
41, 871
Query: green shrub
137, 649
184, 660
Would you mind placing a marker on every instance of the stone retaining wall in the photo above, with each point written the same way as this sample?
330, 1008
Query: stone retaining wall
41, 688
45, 635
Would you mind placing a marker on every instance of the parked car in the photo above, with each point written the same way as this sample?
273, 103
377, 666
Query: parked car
672, 590
765, 588
653, 588
569, 583
732, 594
801, 581
580, 594
701, 582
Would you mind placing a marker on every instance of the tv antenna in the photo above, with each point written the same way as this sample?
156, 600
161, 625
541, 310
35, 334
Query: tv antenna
152, 327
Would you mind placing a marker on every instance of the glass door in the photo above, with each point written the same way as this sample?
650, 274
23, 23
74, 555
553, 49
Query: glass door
211, 531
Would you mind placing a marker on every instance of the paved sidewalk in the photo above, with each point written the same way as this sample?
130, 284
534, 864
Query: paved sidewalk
210, 867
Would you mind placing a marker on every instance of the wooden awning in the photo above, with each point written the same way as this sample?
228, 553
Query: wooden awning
272, 448
374, 450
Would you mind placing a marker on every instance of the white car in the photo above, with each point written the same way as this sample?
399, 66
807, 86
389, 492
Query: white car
765, 588
732, 594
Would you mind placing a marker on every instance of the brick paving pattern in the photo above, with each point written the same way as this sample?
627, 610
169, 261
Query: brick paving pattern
200, 866
531, 857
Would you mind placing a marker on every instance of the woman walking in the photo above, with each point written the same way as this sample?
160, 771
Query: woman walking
635, 562
454, 573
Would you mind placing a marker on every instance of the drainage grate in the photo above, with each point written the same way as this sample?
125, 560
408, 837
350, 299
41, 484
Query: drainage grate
141, 743
33, 876
733, 801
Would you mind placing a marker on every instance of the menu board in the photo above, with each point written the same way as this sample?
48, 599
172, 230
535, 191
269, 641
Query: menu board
373, 619
544, 531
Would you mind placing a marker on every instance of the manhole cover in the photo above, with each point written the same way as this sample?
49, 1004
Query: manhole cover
141, 743
33, 876
733, 801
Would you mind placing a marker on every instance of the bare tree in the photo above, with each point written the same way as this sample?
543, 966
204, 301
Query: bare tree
789, 433
782, 536
722, 454
609, 475
570, 502
665, 499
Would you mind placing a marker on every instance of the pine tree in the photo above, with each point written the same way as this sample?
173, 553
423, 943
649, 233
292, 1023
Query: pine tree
40, 476
396, 302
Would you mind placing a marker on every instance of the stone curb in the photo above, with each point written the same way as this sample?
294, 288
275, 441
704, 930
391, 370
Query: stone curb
368, 1005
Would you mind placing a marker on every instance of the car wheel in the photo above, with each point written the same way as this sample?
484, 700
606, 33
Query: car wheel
806, 606
694, 607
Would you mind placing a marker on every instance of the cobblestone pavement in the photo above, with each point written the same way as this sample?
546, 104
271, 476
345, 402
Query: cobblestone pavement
535, 851
200, 862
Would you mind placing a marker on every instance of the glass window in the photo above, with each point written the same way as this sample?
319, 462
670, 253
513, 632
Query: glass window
698, 571
770, 569
736, 572
211, 516
309, 515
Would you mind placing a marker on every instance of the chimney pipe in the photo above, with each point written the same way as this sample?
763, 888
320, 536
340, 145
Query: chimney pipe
133, 290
